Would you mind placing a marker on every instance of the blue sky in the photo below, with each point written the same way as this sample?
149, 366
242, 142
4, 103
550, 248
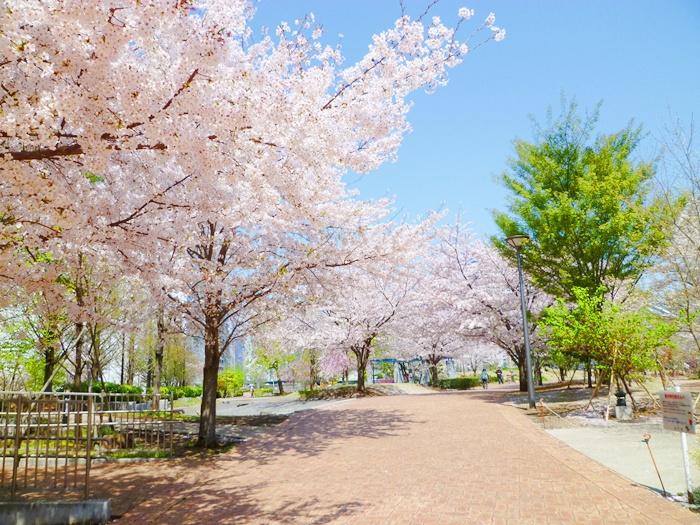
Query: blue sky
641, 58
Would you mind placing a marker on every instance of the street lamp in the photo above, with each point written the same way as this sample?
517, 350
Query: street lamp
517, 242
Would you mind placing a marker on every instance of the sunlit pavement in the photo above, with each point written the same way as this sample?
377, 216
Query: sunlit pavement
450, 458
246, 406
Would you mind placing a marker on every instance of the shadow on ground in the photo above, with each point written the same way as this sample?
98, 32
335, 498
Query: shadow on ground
310, 432
151, 497
225, 488
550, 393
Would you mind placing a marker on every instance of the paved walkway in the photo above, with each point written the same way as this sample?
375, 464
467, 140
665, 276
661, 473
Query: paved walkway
621, 448
432, 459
246, 406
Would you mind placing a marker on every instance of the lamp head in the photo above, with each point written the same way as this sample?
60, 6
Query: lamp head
517, 241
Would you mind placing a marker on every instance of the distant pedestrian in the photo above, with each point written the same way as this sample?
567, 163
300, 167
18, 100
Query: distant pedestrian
484, 379
499, 375
252, 390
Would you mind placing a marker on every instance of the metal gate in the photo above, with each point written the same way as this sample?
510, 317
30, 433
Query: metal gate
49, 440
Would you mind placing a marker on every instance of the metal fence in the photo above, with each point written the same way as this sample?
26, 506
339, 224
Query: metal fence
49, 440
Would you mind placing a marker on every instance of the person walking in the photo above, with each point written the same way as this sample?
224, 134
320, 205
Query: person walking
499, 376
484, 379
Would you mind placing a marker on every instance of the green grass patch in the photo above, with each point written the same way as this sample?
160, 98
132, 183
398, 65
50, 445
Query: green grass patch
187, 402
138, 453
263, 392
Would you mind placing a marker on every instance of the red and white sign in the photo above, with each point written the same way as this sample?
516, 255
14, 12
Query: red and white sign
678, 411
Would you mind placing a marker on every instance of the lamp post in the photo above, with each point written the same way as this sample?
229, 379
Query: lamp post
517, 242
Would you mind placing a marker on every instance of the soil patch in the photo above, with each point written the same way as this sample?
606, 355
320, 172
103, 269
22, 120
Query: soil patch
350, 391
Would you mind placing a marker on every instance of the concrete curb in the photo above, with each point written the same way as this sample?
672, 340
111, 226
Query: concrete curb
88, 512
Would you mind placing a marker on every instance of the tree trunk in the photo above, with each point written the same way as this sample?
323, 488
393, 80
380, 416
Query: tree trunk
130, 361
360, 375
78, 371
49, 366
121, 368
79, 330
279, 382
433, 361
149, 371
589, 373
403, 370
522, 375
662, 371
433, 375
594, 393
563, 373
361, 353
313, 373
629, 393
212, 359
96, 371
160, 349
95, 352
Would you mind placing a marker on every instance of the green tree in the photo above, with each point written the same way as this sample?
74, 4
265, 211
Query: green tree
179, 362
586, 206
577, 333
271, 356
230, 382
623, 344
21, 367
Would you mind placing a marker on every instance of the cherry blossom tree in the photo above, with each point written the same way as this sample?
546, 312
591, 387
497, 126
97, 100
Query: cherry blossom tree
490, 297
365, 311
345, 310
479, 354
166, 136
677, 271
105, 93
428, 327
308, 332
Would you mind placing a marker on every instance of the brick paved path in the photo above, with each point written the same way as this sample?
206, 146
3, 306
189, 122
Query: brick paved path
442, 459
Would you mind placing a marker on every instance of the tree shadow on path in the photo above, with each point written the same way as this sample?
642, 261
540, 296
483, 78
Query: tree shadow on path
503, 394
230, 488
310, 432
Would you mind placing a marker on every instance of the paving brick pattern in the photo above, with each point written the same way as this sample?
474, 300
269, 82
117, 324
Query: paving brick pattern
431, 459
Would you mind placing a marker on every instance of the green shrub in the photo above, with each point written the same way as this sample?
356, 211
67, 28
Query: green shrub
264, 391
230, 382
116, 388
460, 383
111, 388
181, 391
334, 392
191, 391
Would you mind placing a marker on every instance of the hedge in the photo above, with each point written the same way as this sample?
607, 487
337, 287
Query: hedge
181, 391
264, 391
111, 388
460, 383
116, 388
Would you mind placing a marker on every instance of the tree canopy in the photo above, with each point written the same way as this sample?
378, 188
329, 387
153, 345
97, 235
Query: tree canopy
586, 205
